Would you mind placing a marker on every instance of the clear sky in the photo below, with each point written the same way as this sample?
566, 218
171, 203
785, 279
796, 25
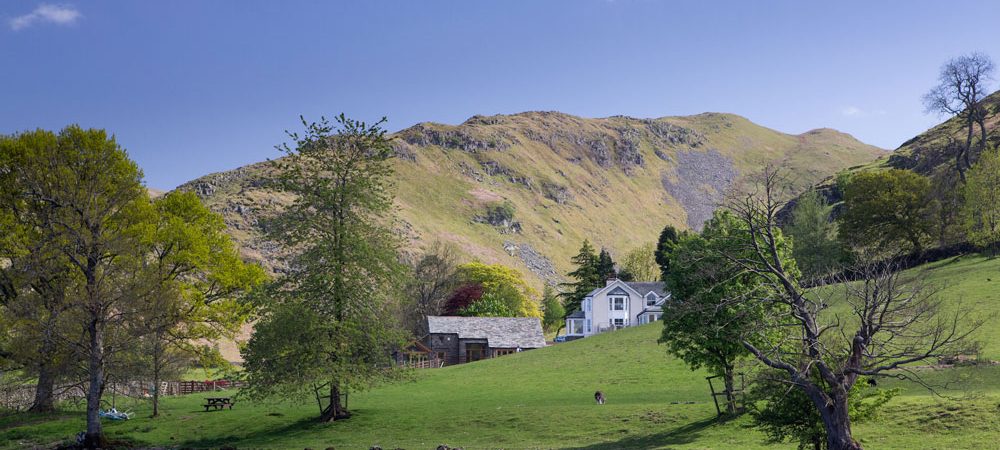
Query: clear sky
194, 87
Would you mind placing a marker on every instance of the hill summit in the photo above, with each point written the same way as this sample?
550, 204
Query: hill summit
616, 181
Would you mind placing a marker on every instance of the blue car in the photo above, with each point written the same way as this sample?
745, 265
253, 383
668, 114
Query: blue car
560, 338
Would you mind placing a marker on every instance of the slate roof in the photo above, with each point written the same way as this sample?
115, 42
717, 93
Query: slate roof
577, 315
499, 332
642, 287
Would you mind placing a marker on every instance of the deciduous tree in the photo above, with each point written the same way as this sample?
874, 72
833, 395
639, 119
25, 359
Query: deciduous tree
817, 250
896, 320
329, 315
197, 280
886, 209
96, 216
981, 202
962, 85
552, 308
434, 278
706, 320
639, 264
505, 293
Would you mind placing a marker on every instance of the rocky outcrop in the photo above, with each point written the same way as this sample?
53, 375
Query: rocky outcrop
575, 178
556, 192
698, 182
456, 138
537, 263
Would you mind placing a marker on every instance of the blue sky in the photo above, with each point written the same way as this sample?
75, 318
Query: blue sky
193, 87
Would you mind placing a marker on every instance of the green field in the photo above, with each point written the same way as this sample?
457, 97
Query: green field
544, 399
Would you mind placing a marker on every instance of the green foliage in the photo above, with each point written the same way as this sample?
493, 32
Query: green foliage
817, 250
491, 304
85, 217
708, 316
980, 210
639, 264
194, 255
784, 412
505, 293
552, 308
586, 275
197, 281
329, 316
605, 265
432, 280
664, 246
886, 209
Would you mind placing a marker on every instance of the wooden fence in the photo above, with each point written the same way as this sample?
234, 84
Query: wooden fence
423, 364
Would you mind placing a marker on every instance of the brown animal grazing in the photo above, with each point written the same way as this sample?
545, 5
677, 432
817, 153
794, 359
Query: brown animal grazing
599, 396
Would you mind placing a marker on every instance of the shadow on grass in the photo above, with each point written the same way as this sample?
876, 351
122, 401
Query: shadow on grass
297, 427
683, 435
23, 419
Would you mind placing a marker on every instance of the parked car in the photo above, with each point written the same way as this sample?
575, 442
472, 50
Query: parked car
561, 338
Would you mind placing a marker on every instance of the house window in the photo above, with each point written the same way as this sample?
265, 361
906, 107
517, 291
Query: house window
618, 303
654, 317
441, 356
651, 299
618, 323
588, 326
502, 351
575, 326
587, 304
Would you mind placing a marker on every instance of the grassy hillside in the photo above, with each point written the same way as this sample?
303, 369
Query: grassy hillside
926, 153
544, 399
616, 181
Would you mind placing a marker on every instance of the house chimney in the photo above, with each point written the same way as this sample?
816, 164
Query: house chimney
611, 279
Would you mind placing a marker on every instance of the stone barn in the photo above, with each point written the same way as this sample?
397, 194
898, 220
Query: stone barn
458, 340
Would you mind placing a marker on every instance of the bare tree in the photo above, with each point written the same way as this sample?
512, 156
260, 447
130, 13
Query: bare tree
434, 279
896, 320
963, 84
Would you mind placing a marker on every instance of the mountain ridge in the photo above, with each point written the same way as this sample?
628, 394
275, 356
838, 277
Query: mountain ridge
616, 181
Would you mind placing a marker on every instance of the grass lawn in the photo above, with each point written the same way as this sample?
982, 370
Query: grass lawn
544, 399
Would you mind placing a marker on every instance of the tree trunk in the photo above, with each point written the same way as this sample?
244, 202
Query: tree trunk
45, 389
982, 134
837, 422
968, 144
94, 437
959, 166
334, 411
157, 362
730, 396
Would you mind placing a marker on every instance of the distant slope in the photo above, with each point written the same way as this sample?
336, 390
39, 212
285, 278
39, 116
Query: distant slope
925, 154
616, 181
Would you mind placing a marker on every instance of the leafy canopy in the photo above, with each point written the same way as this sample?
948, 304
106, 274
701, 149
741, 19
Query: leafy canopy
708, 315
981, 201
327, 320
886, 209
505, 293
816, 248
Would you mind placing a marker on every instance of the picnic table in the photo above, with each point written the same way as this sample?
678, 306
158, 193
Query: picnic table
218, 403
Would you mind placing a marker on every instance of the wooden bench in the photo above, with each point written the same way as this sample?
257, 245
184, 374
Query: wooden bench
218, 403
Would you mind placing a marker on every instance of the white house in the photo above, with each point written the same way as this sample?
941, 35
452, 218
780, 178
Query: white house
618, 304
